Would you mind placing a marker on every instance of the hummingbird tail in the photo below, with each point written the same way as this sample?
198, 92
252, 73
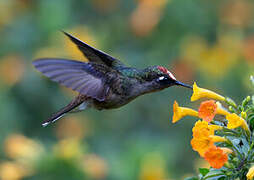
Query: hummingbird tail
59, 114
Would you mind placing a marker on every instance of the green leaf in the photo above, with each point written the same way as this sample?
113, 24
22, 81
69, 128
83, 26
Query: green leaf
191, 178
203, 171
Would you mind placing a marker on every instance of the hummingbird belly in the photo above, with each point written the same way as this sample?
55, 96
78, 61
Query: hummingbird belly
114, 102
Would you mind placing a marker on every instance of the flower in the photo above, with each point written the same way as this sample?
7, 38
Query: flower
226, 150
250, 174
69, 148
207, 110
201, 93
202, 129
13, 171
214, 127
235, 121
71, 127
152, 167
12, 69
146, 16
180, 112
201, 145
94, 166
217, 138
216, 157
201, 140
20, 147
220, 109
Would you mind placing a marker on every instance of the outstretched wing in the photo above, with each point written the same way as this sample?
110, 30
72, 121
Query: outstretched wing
79, 76
92, 54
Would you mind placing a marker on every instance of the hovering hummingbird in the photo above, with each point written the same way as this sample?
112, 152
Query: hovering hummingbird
104, 82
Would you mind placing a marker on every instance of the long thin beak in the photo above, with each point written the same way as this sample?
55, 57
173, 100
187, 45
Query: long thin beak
178, 83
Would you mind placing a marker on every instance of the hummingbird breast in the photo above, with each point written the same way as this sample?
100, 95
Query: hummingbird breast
122, 90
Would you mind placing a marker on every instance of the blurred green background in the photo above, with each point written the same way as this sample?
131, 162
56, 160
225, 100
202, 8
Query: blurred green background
210, 42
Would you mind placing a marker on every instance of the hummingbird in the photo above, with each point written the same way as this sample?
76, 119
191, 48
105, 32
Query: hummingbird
103, 82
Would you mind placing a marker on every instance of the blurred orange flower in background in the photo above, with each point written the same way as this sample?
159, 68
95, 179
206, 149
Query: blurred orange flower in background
72, 127
153, 167
12, 69
146, 16
105, 6
19, 147
248, 50
212, 60
13, 171
236, 13
95, 166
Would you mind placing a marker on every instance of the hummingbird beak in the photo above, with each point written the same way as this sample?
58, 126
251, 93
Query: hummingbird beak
178, 83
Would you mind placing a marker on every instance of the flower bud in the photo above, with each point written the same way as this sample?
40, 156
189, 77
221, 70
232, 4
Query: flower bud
230, 102
246, 101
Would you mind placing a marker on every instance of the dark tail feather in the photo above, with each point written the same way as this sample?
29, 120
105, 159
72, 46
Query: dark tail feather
73, 104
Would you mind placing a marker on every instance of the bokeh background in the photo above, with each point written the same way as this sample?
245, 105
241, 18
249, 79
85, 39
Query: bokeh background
210, 42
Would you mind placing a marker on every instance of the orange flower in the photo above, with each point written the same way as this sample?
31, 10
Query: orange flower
180, 112
207, 110
216, 157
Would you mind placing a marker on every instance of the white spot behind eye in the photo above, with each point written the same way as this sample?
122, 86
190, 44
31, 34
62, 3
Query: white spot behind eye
161, 78
171, 75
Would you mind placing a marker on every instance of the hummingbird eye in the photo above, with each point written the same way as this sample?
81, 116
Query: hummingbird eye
162, 78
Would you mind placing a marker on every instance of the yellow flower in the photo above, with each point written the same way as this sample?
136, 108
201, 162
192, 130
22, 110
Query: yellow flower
13, 171
20, 147
250, 174
213, 127
202, 129
180, 112
201, 140
153, 167
217, 138
69, 148
201, 145
216, 157
226, 150
220, 109
235, 121
201, 93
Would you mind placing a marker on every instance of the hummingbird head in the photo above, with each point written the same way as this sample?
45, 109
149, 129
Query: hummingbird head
160, 78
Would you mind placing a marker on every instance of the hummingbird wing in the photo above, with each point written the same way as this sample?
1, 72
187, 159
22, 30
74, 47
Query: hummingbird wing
85, 78
93, 54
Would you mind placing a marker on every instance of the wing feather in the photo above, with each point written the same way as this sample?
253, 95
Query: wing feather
93, 54
79, 76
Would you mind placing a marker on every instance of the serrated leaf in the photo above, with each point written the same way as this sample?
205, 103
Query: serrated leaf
203, 171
